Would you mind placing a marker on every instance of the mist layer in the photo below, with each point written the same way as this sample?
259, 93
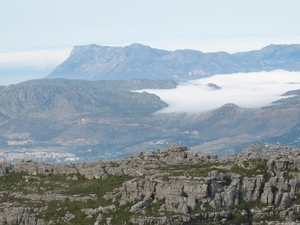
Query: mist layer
247, 90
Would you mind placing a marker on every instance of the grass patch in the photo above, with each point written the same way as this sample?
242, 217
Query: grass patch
59, 184
255, 167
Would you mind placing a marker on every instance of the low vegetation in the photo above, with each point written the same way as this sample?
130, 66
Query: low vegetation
155, 188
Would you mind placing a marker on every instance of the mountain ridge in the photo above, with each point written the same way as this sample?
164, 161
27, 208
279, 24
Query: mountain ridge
96, 62
93, 120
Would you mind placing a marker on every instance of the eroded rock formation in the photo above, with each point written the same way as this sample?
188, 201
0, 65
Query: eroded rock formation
170, 186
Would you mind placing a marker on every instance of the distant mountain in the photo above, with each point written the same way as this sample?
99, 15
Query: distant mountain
94, 62
61, 97
103, 119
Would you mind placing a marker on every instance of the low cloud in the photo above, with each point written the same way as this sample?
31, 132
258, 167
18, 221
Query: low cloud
247, 90
34, 58
18, 66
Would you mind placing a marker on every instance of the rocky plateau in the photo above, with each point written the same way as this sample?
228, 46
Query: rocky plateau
259, 185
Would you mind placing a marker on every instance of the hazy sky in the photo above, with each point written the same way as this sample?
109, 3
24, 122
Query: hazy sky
35, 36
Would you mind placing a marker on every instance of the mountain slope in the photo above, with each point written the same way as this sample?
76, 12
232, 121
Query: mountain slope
59, 97
95, 62
95, 120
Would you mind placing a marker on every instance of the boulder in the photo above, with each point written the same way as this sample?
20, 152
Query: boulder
142, 205
286, 201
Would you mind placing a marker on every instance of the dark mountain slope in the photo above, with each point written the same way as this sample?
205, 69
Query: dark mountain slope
42, 109
61, 98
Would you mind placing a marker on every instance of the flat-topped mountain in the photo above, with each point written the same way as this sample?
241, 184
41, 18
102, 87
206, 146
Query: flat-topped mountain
96, 62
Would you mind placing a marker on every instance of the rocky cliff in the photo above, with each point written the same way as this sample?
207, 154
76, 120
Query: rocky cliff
260, 185
96, 62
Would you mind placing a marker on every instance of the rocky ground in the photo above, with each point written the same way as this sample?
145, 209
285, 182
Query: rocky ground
260, 185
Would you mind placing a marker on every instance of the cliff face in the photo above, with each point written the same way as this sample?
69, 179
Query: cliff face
170, 186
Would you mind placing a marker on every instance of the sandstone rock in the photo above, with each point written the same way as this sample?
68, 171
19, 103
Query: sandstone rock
297, 162
155, 181
281, 181
199, 189
112, 208
69, 216
231, 194
64, 169
74, 177
183, 208
282, 164
99, 218
109, 220
142, 205
91, 170
132, 190
90, 211
273, 181
286, 201
19, 215
5, 168
252, 187
295, 186
215, 186
278, 198
217, 202
191, 202
267, 195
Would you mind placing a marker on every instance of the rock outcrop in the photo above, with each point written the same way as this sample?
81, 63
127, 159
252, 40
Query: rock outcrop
170, 186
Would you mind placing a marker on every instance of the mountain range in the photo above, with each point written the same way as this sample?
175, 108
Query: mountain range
94, 62
117, 158
104, 119
87, 108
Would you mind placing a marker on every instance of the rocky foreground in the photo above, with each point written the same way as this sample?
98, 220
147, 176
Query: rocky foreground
260, 185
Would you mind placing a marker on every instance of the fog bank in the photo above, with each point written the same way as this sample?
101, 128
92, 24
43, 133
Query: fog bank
247, 90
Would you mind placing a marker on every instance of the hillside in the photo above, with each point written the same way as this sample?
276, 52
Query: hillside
59, 119
94, 62
62, 98
174, 186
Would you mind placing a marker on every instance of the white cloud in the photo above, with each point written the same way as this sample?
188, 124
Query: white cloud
38, 58
248, 90
18, 66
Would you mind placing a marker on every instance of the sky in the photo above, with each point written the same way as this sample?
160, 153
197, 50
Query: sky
246, 90
36, 36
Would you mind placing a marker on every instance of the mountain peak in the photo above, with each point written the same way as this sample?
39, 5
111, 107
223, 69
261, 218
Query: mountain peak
137, 45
